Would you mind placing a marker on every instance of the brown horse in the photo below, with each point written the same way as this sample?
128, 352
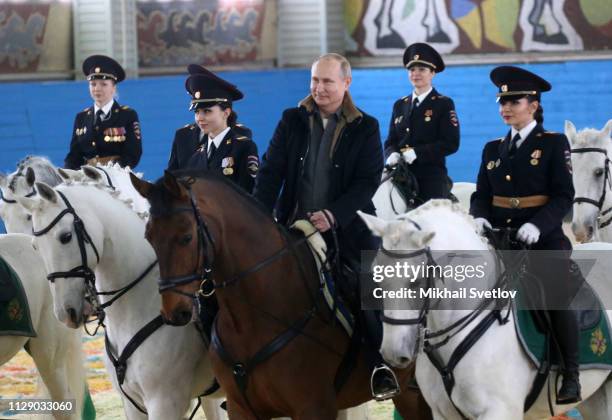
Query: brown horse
274, 348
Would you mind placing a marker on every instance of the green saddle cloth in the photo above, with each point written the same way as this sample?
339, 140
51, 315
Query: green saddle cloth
14, 310
595, 343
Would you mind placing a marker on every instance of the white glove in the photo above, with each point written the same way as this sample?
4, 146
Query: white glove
409, 156
528, 233
481, 223
393, 159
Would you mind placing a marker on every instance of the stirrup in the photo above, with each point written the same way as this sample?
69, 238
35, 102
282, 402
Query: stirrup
392, 392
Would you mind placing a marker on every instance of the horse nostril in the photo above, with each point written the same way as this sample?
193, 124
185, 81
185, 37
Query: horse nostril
590, 230
72, 314
404, 360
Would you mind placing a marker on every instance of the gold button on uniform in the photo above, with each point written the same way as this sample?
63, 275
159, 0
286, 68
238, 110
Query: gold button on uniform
407, 130
508, 178
508, 221
93, 143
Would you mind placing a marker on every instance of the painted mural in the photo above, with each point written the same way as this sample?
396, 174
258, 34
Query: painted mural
210, 32
386, 27
26, 31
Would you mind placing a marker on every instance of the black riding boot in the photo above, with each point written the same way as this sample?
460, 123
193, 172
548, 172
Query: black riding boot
566, 331
383, 382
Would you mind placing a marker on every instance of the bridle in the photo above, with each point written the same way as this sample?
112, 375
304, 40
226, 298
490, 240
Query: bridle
84, 271
9, 201
607, 180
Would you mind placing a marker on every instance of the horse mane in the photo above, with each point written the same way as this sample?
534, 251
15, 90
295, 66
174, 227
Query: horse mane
43, 168
440, 204
115, 193
161, 198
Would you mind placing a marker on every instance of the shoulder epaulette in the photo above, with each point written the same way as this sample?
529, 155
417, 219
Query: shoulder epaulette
125, 107
85, 110
551, 133
242, 138
239, 125
405, 98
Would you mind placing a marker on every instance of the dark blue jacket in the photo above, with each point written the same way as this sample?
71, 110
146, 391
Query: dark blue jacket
540, 166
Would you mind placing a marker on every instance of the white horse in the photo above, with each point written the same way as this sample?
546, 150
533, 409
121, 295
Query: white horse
494, 377
591, 151
389, 203
56, 350
171, 366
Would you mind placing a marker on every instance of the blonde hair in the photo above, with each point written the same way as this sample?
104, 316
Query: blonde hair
345, 66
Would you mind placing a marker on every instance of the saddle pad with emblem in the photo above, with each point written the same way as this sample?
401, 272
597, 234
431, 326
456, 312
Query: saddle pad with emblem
595, 349
14, 310
317, 246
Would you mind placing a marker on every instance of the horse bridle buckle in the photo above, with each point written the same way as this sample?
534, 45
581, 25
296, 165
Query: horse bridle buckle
201, 291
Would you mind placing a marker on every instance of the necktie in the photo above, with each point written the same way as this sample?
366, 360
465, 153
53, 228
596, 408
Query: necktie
415, 102
211, 150
99, 116
513, 144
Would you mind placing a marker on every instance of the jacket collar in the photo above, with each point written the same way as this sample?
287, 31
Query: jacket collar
348, 109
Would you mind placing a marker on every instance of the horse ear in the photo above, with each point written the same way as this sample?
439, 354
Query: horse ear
91, 172
143, 187
68, 174
46, 192
422, 238
570, 130
174, 186
375, 224
29, 204
30, 176
607, 128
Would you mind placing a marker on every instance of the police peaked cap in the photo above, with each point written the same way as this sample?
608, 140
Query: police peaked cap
207, 89
103, 67
515, 81
421, 54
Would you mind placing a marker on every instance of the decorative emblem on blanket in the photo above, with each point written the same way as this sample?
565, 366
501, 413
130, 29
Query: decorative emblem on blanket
14, 310
598, 342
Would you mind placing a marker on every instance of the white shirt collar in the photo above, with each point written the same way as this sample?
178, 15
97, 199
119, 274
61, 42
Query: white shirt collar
218, 139
524, 132
106, 108
421, 96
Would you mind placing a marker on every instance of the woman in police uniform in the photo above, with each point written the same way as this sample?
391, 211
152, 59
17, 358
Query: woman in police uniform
525, 182
424, 128
105, 131
215, 142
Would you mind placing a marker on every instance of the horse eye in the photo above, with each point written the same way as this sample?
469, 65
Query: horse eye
29, 217
599, 172
186, 239
65, 237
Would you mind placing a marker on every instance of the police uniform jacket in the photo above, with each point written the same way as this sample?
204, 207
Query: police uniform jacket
117, 135
357, 165
540, 166
431, 129
236, 158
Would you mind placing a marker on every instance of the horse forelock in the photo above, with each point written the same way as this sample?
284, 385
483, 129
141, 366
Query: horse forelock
441, 204
43, 168
590, 137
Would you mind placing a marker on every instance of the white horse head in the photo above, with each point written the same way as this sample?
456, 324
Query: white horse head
591, 151
60, 249
437, 225
20, 183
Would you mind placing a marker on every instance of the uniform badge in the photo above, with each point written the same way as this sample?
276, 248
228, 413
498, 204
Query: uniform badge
504, 88
416, 57
197, 95
398, 119
490, 165
537, 154
227, 162
453, 118
253, 165
428, 114
534, 162
228, 171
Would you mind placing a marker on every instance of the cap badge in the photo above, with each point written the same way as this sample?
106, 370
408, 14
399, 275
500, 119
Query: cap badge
416, 56
97, 70
504, 88
197, 95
